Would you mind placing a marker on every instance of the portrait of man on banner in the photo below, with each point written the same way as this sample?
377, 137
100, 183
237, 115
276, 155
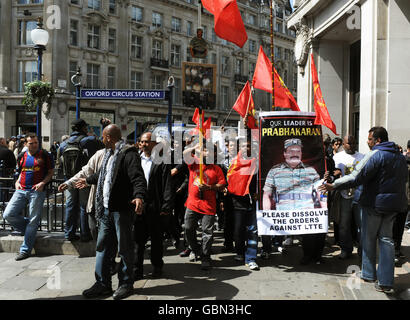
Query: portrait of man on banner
291, 169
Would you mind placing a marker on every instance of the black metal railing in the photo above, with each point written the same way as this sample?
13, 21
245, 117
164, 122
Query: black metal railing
160, 63
52, 218
240, 78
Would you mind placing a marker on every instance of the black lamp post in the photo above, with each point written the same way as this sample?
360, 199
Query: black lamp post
77, 91
40, 37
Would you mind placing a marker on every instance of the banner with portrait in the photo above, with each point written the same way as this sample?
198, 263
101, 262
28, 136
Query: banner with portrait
291, 168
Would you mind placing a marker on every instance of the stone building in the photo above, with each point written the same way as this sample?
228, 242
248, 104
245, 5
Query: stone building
128, 44
361, 50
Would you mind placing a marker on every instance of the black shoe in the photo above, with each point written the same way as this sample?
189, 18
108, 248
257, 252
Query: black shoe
156, 273
384, 289
206, 264
73, 238
228, 249
97, 290
344, 255
123, 291
22, 256
177, 243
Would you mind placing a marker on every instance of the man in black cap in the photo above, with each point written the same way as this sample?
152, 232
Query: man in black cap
75, 153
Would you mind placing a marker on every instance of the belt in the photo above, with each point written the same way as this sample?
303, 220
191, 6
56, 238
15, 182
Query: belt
295, 196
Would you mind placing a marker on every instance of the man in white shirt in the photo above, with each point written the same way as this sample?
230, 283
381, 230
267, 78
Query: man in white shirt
345, 162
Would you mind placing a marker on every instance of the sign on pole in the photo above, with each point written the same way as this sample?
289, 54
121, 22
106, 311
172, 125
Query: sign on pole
291, 168
116, 94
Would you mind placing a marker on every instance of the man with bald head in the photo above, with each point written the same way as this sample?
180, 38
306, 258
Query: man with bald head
121, 189
345, 162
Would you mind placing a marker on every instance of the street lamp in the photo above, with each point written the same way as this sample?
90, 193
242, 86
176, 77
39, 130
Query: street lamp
171, 84
39, 36
77, 85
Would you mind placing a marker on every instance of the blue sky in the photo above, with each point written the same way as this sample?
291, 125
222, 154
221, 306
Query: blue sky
291, 3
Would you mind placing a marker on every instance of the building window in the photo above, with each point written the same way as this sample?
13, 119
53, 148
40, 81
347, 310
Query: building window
72, 71
286, 54
252, 46
175, 55
93, 75
136, 80
295, 80
25, 28
279, 12
224, 97
252, 66
94, 4
93, 38
157, 49
224, 42
204, 32
27, 72
111, 78
239, 66
136, 47
75, 1
177, 91
285, 76
74, 32
189, 28
278, 27
214, 37
157, 82
213, 58
251, 19
188, 55
225, 66
278, 52
112, 40
113, 7
176, 24
136, 14
156, 19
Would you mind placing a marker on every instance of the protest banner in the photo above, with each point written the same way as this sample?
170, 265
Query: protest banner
291, 168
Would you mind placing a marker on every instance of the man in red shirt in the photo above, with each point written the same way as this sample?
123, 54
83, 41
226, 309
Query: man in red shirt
36, 167
201, 205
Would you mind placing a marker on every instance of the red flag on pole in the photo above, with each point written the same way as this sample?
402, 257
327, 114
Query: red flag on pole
244, 106
228, 22
240, 175
322, 114
195, 117
262, 79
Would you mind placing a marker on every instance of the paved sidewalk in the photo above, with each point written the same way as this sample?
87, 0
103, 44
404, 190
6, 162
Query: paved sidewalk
280, 278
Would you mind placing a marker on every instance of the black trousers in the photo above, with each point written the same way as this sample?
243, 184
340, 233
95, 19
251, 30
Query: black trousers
228, 221
398, 229
149, 227
313, 245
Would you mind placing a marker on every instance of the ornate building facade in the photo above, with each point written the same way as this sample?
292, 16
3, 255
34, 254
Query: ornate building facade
361, 50
129, 44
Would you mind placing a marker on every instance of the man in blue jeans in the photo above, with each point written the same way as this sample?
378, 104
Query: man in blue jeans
76, 200
383, 174
36, 167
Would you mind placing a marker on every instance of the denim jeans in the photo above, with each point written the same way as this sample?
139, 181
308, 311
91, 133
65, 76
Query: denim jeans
115, 229
76, 203
191, 224
377, 228
246, 231
27, 225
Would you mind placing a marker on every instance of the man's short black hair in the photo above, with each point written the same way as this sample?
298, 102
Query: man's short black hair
380, 132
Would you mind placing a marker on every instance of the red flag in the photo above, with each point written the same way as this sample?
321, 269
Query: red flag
262, 79
228, 22
322, 114
195, 117
244, 103
240, 174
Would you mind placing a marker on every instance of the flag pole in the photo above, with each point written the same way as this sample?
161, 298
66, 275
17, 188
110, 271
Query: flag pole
247, 108
201, 146
272, 54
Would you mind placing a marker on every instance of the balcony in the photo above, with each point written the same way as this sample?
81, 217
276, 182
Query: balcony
160, 64
240, 78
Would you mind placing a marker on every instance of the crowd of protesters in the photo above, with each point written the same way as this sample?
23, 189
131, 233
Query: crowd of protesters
123, 198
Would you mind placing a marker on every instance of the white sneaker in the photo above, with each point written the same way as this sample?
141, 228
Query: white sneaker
193, 257
408, 231
288, 242
252, 265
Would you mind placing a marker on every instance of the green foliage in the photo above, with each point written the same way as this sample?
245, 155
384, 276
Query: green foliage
36, 93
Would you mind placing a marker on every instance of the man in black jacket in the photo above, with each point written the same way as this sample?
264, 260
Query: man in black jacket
121, 188
157, 208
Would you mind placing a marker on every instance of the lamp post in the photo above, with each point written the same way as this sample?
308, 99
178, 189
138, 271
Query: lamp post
77, 91
39, 36
171, 83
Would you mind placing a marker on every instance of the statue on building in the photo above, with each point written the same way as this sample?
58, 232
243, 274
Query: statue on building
198, 45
